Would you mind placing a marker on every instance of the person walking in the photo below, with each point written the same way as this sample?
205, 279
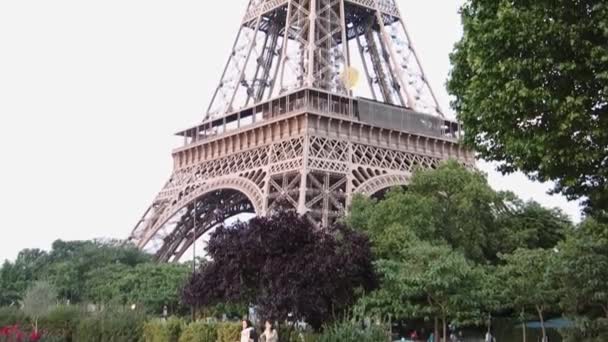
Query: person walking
248, 333
489, 337
270, 333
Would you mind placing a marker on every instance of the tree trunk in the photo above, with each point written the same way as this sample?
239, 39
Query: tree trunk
436, 333
489, 323
445, 328
542, 324
390, 328
523, 326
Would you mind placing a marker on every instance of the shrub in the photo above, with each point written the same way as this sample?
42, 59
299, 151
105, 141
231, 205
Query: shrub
347, 331
289, 334
228, 332
89, 330
163, 330
115, 326
10, 316
61, 323
122, 326
200, 332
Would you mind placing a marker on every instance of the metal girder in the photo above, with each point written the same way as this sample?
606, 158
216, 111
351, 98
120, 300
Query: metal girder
212, 209
289, 44
308, 143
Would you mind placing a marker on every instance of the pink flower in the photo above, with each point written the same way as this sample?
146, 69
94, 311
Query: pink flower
35, 336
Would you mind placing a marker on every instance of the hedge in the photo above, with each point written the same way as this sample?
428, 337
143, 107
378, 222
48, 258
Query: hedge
228, 332
200, 332
352, 332
11, 316
61, 323
114, 326
159, 330
289, 334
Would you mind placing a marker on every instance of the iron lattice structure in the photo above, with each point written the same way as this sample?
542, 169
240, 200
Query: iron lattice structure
284, 125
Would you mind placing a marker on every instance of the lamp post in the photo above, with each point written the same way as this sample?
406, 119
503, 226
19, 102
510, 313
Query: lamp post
194, 218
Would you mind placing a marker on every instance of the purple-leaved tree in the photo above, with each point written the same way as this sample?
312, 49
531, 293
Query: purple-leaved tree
284, 265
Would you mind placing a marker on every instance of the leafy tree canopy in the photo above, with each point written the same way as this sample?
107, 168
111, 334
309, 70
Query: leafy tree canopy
97, 271
582, 276
526, 283
530, 80
428, 281
284, 265
456, 206
39, 300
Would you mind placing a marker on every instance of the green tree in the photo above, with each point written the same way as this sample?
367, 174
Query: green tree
39, 300
456, 206
427, 281
102, 284
70, 262
529, 225
530, 80
154, 286
149, 285
526, 282
582, 276
10, 293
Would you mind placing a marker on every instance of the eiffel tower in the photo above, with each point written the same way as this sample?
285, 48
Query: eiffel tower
290, 123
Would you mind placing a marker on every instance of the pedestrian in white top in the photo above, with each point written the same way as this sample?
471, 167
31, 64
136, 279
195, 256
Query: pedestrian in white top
247, 332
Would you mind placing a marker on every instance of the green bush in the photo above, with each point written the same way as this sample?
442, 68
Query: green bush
114, 326
228, 332
587, 330
12, 316
52, 339
200, 332
289, 334
163, 330
61, 323
352, 332
89, 330
126, 326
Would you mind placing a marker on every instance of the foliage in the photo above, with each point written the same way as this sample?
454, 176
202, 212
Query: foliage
10, 316
200, 332
288, 333
16, 277
438, 244
228, 332
67, 267
89, 329
159, 330
284, 265
39, 300
151, 285
15, 334
112, 325
62, 322
530, 80
587, 330
526, 281
455, 206
582, 276
71, 263
97, 271
449, 205
529, 225
428, 281
231, 310
348, 331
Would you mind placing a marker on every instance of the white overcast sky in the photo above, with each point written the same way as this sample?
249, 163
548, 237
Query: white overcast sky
91, 93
